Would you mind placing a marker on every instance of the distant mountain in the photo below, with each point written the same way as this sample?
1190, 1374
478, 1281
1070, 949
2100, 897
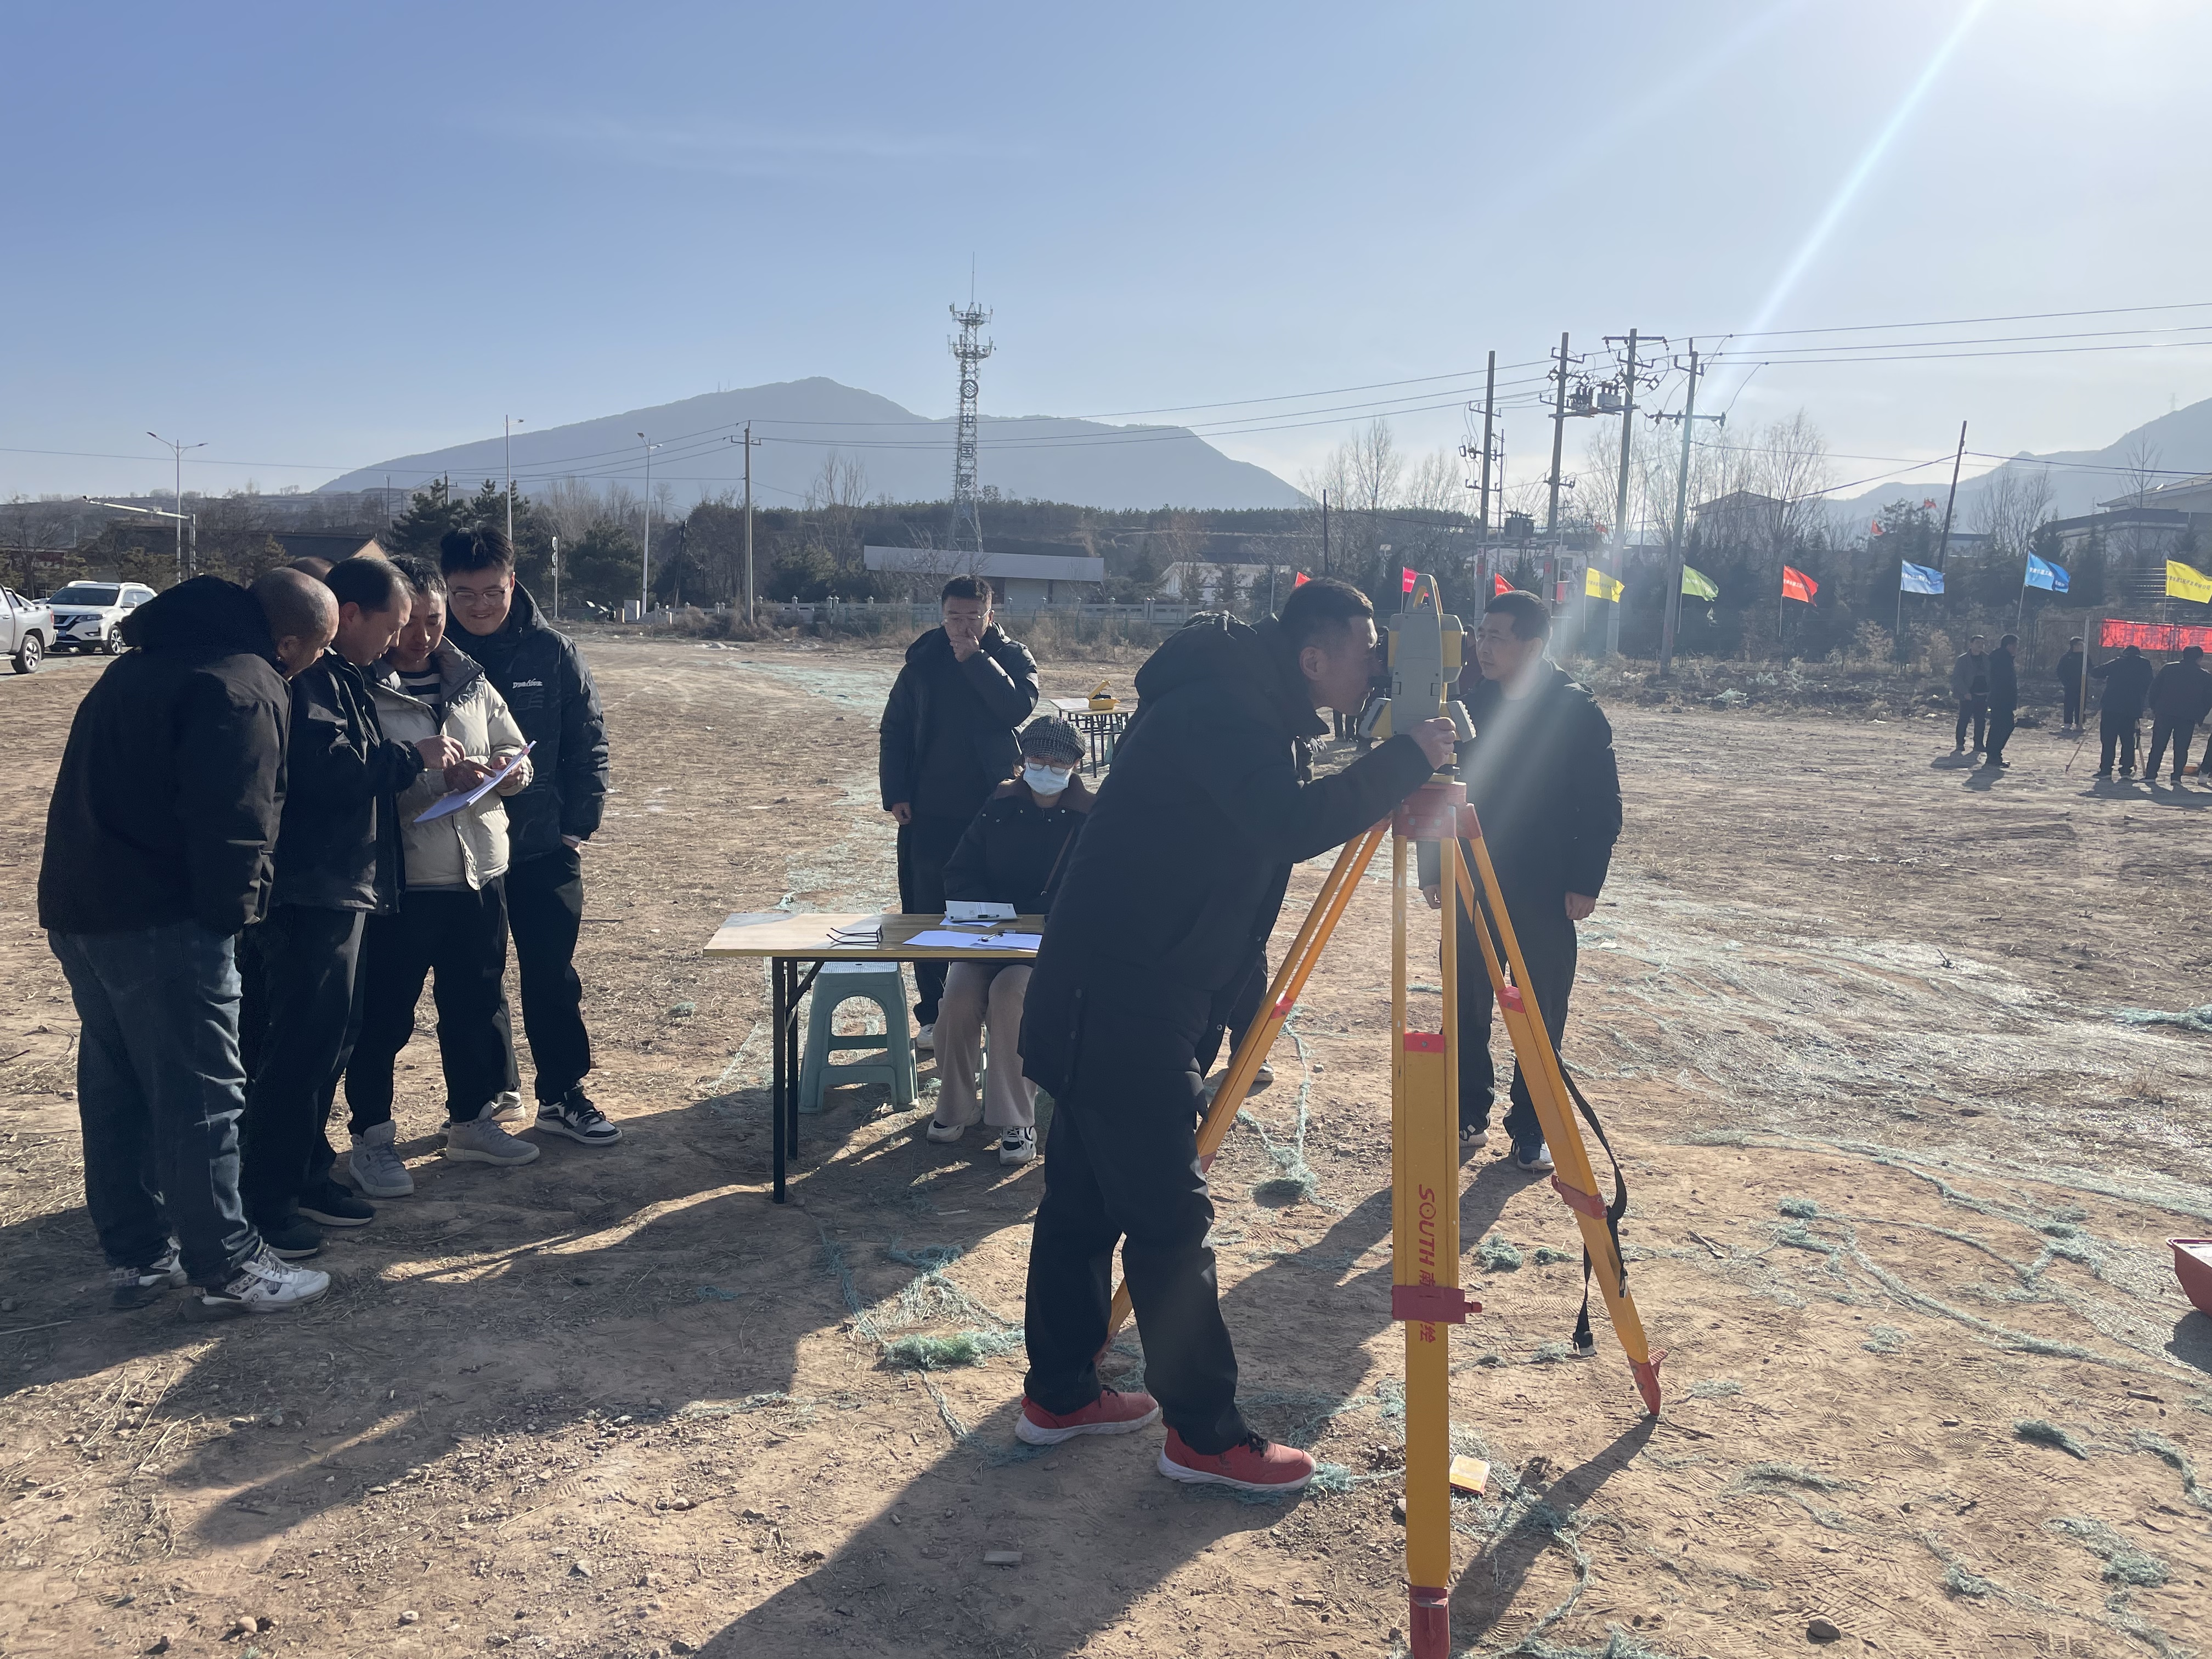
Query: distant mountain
2080, 478
798, 424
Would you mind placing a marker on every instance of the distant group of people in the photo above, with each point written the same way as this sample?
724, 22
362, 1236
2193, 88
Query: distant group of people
1160, 893
246, 897
2177, 697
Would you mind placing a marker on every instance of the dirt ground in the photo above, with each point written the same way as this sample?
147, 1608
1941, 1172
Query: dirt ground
1901, 1175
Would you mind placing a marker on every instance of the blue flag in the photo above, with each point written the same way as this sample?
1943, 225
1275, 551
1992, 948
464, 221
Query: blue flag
1917, 577
2041, 573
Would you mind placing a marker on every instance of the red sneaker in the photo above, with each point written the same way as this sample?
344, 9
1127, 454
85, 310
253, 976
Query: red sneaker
1112, 1413
1251, 1465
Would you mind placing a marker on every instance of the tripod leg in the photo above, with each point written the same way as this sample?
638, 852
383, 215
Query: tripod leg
1314, 934
1573, 1177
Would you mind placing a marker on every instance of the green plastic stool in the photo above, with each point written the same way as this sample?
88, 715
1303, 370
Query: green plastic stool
840, 982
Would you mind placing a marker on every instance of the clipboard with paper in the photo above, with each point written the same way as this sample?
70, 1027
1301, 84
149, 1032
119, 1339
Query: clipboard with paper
446, 804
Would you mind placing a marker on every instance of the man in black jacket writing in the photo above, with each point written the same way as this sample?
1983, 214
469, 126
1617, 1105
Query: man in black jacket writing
946, 741
158, 845
540, 671
2119, 710
1170, 894
2181, 697
1541, 778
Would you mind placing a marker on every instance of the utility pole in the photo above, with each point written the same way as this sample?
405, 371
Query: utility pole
1675, 545
749, 442
645, 573
511, 422
1621, 497
1943, 546
179, 449
1489, 413
557, 579
1558, 440
1324, 533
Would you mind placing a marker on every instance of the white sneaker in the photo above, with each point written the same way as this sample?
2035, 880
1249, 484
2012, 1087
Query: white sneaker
375, 1166
505, 1106
1535, 1158
925, 1040
1017, 1145
264, 1284
946, 1133
483, 1142
140, 1287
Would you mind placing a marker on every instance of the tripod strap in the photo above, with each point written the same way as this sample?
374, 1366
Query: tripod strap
1585, 1339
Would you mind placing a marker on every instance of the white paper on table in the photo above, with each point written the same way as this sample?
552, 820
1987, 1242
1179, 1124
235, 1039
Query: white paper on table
447, 804
941, 938
1013, 941
977, 910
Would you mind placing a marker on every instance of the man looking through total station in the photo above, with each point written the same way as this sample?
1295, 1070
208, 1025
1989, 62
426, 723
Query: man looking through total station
1171, 892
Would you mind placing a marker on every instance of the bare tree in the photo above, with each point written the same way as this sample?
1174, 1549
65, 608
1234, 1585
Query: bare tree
2141, 466
2016, 503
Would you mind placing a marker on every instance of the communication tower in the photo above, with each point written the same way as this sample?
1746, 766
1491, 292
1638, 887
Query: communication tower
967, 529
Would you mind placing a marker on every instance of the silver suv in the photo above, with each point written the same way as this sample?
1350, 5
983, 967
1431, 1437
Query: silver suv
88, 616
25, 629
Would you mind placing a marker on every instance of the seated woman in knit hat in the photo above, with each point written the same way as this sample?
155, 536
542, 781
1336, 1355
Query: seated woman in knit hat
1012, 853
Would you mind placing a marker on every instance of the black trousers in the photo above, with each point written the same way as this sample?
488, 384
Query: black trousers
2116, 730
2002, 722
1122, 1164
2070, 691
2179, 733
458, 939
545, 911
1549, 946
307, 961
1976, 711
924, 848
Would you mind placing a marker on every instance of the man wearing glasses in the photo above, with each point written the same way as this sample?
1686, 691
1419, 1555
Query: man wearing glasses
538, 670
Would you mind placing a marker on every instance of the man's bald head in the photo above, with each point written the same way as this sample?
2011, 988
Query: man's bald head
302, 615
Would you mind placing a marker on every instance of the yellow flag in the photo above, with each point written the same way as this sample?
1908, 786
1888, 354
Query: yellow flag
2185, 582
1597, 585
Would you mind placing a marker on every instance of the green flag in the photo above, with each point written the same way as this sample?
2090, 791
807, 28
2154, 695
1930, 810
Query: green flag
1698, 585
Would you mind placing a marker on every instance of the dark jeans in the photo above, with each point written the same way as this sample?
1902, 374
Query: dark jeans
2070, 691
1122, 1164
308, 960
158, 1090
2116, 730
1976, 711
457, 938
545, 909
2001, 727
1549, 946
924, 846
2179, 733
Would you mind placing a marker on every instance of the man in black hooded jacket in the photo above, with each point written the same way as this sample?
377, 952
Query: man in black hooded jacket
2127, 680
159, 838
946, 741
1170, 892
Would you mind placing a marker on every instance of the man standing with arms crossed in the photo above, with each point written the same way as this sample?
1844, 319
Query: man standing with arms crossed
549, 691
946, 741
1171, 892
2004, 700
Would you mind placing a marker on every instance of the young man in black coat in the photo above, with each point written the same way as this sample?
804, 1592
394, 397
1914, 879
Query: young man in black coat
1172, 889
946, 741
337, 860
2004, 700
1541, 778
158, 839
2120, 711
2068, 672
540, 671
2181, 697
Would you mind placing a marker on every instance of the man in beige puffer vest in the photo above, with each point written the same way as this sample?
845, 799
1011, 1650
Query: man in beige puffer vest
451, 926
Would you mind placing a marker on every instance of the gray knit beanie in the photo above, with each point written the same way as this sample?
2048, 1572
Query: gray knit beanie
1050, 737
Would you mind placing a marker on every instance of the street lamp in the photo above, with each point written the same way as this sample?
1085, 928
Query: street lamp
645, 574
513, 421
179, 449
182, 519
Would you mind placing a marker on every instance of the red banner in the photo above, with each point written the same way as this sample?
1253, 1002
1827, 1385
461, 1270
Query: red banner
1796, 585
1408, 579
2151, 636
1499, 585
1300, 580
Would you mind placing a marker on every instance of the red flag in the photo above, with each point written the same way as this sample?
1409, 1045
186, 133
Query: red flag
1874, 526
1409, 580
1796, 585
1499, 585
1299, 580
1928, 503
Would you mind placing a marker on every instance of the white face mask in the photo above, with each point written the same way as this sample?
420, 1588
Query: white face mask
1045, 779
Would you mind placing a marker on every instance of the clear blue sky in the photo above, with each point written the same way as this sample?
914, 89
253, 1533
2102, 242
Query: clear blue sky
324, 235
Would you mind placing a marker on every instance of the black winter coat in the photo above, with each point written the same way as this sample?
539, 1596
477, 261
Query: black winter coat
2004, 677
947, 736
339, 846
1542, 777
540, 671
2067, 670
1176, 880
2127, 684
2182, 692
1015, 850
166, 805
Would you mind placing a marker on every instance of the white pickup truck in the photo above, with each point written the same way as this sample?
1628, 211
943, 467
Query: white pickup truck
88, 616
25, 630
